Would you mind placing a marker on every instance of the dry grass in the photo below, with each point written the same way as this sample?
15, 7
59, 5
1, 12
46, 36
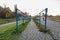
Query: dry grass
54, 18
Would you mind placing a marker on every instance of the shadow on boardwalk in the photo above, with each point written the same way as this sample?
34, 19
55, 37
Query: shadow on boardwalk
32, 33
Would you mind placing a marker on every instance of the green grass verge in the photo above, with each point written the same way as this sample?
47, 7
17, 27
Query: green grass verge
9, 32
39, 25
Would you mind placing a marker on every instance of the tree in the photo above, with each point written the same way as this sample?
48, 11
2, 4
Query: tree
26, 13
7, 12
1, 12
50, 15
12, 15
4, 12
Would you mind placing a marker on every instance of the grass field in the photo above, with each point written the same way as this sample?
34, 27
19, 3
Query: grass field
3, 21
9, 32
54, 18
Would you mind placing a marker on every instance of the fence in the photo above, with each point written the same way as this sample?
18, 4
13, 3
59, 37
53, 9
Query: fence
23, 17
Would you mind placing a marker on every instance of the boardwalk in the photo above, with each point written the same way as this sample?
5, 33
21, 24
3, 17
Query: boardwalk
32, 33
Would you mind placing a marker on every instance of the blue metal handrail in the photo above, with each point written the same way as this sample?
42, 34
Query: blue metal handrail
45, 21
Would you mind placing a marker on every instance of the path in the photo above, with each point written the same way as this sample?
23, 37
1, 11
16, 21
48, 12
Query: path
55, 28
32, 33
2, 25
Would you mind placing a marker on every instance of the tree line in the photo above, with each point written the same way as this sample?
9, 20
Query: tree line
6, 13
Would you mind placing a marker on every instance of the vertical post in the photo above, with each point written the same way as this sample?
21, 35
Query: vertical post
45, 19
16, 18
29, 18
23, 18
39, 19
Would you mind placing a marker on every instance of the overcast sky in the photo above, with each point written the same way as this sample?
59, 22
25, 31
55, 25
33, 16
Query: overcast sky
33, 7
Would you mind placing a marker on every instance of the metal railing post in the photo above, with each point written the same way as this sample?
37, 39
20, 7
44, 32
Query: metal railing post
16, 18
45, 19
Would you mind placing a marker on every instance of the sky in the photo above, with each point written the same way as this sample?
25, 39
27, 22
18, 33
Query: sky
33, 7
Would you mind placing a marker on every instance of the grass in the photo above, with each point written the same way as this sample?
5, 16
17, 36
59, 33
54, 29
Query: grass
41, 29
9, 32
40, 26
3, 21
22, 26
54, 18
